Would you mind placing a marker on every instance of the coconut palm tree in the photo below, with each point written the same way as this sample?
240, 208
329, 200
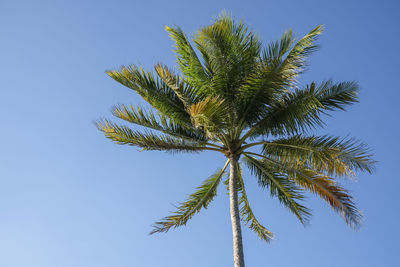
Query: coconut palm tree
234, 96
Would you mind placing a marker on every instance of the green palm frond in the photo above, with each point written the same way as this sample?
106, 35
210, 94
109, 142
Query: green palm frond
247, 214
275, 74
268, 81
275, 51
326, 154
300, 110
158, 122
261, 88
325, 187
284, 189
337, 96
296, 60
148, 140
200, 199
188, 61
297, 111
153, 90
186, 93
231, 53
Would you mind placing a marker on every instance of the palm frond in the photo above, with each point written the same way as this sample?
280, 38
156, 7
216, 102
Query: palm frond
276, 50
326, 154
337, 96
200, 199
188, 61
325, 187
297, 111
230, 51
261, 88
275, 74
148, 140
158, 122
284, 189
186, 93
153, 90
328, 189
296, 60
246, 213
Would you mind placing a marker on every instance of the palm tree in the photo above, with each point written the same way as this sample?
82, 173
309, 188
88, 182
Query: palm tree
232, 95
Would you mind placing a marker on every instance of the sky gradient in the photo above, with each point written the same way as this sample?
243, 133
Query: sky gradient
70, 197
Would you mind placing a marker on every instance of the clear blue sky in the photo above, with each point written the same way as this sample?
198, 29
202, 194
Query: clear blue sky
70, 197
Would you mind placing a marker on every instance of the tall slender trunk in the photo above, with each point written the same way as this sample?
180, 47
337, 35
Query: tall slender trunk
235, 217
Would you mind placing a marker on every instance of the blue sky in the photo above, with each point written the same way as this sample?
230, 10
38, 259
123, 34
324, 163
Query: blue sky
69, 197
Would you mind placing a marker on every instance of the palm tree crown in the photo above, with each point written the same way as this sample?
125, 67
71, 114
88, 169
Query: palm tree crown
233, 95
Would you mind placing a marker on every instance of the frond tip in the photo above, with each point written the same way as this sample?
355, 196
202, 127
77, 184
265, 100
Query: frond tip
336, 196
323, 186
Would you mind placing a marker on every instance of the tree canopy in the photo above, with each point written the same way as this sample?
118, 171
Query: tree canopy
232, 94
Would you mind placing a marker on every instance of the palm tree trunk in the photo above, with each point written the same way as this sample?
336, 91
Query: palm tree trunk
235, 217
